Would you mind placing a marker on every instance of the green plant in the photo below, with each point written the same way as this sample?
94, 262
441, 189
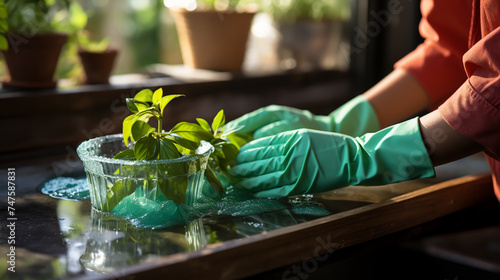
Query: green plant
4, 26
286, 10
90, 45
225, 5
28, 17
220, 5
150, 143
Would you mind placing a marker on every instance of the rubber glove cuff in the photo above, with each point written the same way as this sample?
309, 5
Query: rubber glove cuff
391, 155
355, 118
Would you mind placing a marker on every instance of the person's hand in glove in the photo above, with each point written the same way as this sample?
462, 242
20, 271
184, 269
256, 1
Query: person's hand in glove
310, 161
354, 118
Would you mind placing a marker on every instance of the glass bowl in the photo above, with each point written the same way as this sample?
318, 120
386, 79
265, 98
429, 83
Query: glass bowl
111, 180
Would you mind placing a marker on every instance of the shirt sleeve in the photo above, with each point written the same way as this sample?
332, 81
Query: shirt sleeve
474, 109
437, 62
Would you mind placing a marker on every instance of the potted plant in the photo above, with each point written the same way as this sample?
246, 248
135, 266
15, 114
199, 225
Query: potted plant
97, 58
309, 30
35, 39
213, 34
149, 166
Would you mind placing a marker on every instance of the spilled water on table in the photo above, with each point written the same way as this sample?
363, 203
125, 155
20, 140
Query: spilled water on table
162, 213
139, 230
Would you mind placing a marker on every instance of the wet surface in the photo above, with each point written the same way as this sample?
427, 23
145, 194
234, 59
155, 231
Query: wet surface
67, 188
58, 238
67, 238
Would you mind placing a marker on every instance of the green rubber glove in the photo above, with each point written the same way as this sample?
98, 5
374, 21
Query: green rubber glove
310, 161
354, 118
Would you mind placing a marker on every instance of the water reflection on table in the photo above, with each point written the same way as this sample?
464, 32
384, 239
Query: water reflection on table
98, 242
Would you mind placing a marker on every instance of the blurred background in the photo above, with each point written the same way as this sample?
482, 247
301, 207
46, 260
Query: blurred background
308, 54
364, 37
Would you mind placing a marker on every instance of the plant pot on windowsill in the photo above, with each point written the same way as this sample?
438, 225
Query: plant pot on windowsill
97, 65
213, 40
31, 63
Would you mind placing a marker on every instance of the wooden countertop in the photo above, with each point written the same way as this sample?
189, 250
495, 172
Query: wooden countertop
321, 238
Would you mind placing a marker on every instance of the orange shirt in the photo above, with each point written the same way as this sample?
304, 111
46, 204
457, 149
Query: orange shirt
459, 66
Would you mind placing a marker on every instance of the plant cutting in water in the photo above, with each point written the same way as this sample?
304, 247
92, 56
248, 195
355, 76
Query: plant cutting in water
147, 143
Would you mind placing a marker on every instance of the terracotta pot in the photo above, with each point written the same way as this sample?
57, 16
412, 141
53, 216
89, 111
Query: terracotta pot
98, 65
31, 61
213, 40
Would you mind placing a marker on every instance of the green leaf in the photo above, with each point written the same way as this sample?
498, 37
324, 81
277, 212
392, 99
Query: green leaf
191, 131
78, 18
128, 154
230, 151
166, 99
228, 158
188, 144
157, 95
4, 45
146, 114
218, 121
146, 148
168, 150
145, 95
4, 27
3, 12
128, 122
141, 129
136, 106
117, 193
131, 105
174, 185
239, 139
213, 179
175, 188
204, 124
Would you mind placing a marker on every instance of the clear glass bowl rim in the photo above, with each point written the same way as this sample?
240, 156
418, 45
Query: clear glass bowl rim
205, 149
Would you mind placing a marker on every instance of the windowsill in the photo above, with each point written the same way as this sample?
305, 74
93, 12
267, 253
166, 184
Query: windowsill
43, 124
168, 75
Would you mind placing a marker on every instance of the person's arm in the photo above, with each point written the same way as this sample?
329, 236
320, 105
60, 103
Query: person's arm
397, 97
433, 71
443, 143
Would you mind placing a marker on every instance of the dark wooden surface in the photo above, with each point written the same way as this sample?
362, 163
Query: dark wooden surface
321, 237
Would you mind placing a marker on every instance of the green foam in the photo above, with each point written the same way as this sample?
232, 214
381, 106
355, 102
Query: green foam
67, 188
310, 209
146, 213
236, 202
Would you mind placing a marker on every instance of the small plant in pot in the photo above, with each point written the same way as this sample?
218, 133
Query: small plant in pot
310, 31
213, 34
148, 164
97, 58
36, 32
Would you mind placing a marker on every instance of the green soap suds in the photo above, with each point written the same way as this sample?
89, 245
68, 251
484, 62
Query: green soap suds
310, 209
67, 188
236, 202
161, 213
146, 213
